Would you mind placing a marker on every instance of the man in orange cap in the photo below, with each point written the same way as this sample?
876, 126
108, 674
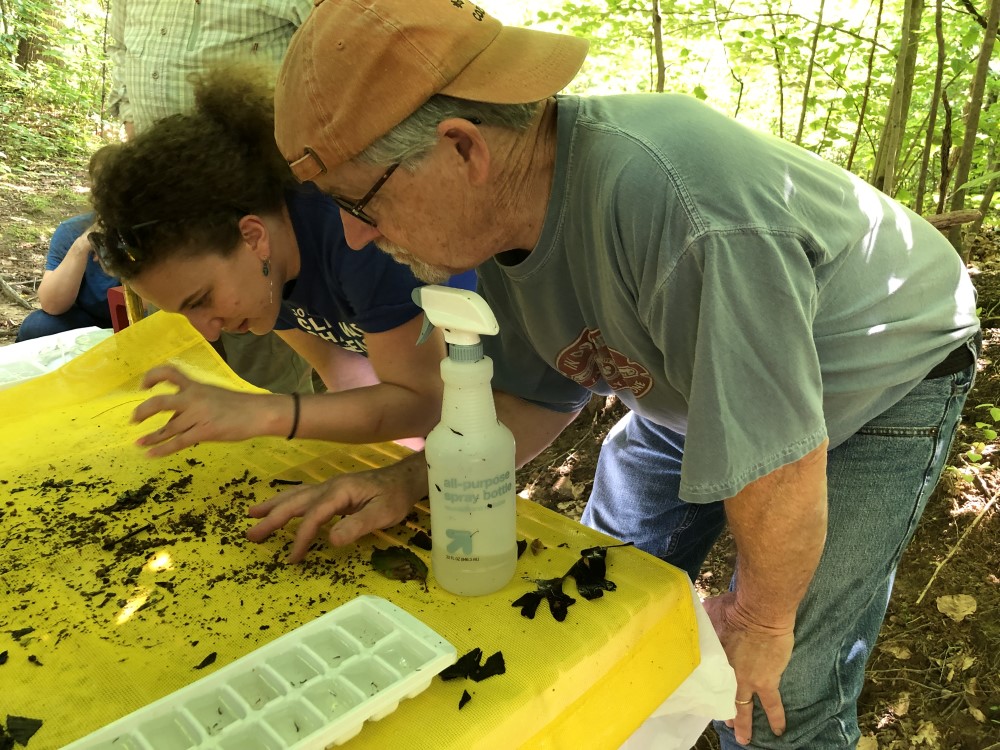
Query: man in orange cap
795, 347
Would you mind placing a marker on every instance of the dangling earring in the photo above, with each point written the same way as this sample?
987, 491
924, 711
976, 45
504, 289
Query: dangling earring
266, 270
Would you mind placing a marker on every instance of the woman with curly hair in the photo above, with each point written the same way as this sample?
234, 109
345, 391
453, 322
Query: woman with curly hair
202, 217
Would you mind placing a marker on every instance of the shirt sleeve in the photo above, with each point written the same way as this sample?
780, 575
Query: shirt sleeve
293, 11
736, 318
63, 238
519, 371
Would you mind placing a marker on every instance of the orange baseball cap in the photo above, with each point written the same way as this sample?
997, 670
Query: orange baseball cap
357, 68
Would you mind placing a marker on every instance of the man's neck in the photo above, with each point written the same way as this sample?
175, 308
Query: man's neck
526, 189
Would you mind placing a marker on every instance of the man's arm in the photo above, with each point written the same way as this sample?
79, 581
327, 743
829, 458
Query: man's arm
377, 499
534, 427
778, 524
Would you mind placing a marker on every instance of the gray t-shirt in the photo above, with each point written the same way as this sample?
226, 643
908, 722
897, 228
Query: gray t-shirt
721, 282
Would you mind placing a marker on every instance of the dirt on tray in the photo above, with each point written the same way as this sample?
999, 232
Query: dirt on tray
934, 679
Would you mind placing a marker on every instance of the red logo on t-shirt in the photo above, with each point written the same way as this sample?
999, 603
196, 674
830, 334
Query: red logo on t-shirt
589, 359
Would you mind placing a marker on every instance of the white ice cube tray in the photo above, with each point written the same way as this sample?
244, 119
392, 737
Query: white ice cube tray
309, 688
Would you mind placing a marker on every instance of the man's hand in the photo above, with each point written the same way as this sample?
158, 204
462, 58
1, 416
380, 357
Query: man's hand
758, 655
204, 412
368, 500
778, 523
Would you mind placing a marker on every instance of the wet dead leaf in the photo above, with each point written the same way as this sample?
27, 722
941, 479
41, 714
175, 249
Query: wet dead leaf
956, 606
928, 735
963, 661
900, 652
902, 705
868, 742
399, 564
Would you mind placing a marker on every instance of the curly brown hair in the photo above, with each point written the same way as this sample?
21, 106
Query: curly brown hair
182, 186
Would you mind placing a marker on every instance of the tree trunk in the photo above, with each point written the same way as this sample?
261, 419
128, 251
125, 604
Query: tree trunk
868, 88
661, 68
932, 118
972, 124
884, 173
809, 74
780, 68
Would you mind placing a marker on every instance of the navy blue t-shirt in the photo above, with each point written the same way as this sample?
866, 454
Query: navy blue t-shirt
341, 294
93, 294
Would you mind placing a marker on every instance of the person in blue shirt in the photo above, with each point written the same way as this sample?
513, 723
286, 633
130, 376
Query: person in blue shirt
202, 217
73, 292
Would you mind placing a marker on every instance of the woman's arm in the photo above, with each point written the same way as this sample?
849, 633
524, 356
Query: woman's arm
60, 287
406, 403
339, 369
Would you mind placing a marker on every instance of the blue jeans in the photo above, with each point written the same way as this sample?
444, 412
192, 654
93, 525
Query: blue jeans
878, 483
39, 323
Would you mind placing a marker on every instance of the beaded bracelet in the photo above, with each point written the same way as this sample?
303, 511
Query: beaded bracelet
295, 418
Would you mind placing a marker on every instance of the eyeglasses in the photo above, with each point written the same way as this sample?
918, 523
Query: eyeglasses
119, 239
357, 209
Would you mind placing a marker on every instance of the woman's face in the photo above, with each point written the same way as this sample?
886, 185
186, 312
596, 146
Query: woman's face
215, 293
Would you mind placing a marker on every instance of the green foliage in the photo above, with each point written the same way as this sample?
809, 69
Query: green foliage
751, 59
53, 80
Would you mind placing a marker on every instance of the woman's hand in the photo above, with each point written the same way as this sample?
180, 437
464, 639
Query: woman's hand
205, 412
368, 500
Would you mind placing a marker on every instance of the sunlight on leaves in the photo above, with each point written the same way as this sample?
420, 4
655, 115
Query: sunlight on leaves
956, 606
928, 735
900, 652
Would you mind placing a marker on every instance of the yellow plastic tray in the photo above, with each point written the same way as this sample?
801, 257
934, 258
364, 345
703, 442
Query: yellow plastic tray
115, 629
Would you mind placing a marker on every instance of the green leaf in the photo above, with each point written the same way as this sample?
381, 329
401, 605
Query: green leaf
700, 92
990, 434
979, 181
399, 564
994, 414
974, 457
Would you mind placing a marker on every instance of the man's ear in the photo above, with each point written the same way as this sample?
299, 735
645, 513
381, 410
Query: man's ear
469, 145
255, 235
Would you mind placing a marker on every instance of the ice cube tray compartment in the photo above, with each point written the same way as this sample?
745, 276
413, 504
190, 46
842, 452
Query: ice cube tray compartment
310, 688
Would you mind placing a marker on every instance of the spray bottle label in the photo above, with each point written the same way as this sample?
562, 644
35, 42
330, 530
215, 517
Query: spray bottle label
467, 493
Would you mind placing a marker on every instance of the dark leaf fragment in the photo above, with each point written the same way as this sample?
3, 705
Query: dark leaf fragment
421, 540
464, 666
3, 657
464, 699
529, 603
551, 590
210, 659
22, 729
18, 634
522, 545
590, 572
399, 564
492, 667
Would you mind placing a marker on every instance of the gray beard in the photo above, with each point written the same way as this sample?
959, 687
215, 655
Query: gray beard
423, 271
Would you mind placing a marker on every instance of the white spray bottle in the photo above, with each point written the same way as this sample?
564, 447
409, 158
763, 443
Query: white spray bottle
470, 454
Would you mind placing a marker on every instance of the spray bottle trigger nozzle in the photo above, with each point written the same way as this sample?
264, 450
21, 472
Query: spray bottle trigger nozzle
425, 330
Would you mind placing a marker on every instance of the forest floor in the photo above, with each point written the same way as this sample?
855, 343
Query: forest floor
934, 680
